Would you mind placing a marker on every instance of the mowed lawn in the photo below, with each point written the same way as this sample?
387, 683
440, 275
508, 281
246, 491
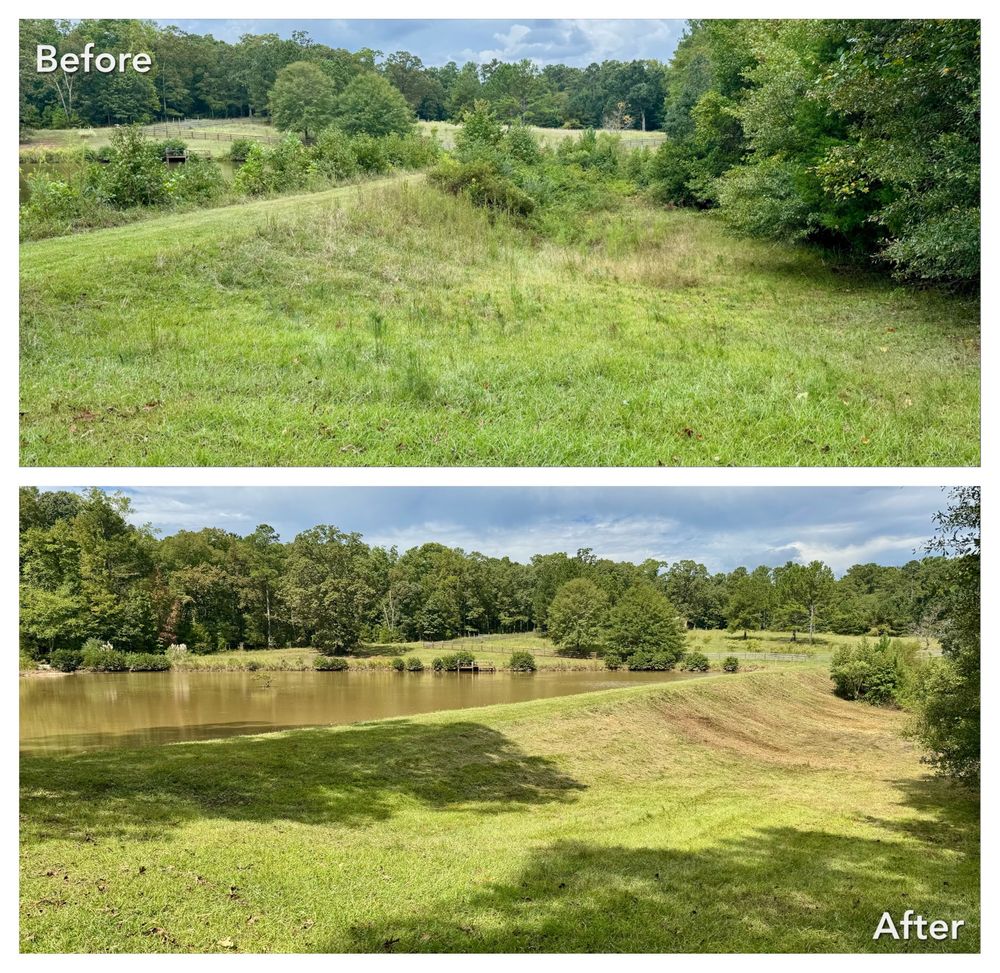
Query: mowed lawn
747, 812
390, 324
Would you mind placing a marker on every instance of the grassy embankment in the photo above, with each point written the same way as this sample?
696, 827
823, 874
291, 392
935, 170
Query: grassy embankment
393, 325
749, 812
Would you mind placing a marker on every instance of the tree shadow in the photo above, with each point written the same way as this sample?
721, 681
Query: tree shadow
317, 776
773, 890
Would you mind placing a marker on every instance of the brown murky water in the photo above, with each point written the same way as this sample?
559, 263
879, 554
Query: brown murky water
95, 710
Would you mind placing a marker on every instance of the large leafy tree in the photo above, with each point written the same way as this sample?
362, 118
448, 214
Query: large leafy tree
371, 105
577, 616
803, 591
326, 591
303, 99
644, 620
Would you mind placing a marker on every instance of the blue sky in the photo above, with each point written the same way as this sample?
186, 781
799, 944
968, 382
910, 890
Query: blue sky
721, 527
573, 42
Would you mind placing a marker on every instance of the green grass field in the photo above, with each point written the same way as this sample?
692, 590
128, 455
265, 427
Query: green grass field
220, 129
752, 812
197, 131
389, 324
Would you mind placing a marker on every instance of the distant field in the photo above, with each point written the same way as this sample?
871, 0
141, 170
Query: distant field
201, 132
631, 138
753, 812
393, 325
208, 130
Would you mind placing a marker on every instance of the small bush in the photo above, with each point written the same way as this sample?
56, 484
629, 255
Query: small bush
334, 154
239, 149
66, 660
880, 672
438, 664
730, 664
177, 653
103, 657
397, 663
146, 662
413, 664
370, 153
644, 660
520, 143
410, 151
197, 181
483, 185
613, 659
330, 663
522, 662
697, 662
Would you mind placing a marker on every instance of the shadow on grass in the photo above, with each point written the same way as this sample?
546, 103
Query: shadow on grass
314, 776
778, 889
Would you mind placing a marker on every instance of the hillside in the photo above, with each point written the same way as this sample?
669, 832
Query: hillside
749, 812
389, 324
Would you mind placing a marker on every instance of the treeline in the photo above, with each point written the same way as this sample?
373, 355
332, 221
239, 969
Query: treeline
198, 76
86, 572
861, 134
943, 692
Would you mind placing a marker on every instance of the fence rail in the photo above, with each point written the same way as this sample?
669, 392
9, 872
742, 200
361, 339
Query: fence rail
204, 135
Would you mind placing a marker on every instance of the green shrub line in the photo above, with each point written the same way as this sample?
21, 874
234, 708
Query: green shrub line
130, 179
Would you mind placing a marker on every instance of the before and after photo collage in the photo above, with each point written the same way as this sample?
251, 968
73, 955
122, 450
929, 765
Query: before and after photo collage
499, 486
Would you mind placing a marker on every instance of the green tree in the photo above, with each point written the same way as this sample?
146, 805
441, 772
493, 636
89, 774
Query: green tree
577, 616
948, 723
371, 105
803, 591
302, 100
751, 599
644, 620
325, 590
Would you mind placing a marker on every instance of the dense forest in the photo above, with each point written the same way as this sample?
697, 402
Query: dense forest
196, 76
86, 572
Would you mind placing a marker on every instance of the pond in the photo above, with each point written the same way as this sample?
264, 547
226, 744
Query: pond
86, 711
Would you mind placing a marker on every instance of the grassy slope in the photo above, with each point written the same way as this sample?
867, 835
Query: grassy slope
748, 812
391, 325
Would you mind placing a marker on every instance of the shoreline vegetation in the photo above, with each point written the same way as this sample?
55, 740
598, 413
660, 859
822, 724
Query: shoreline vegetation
760, 649
579, 806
